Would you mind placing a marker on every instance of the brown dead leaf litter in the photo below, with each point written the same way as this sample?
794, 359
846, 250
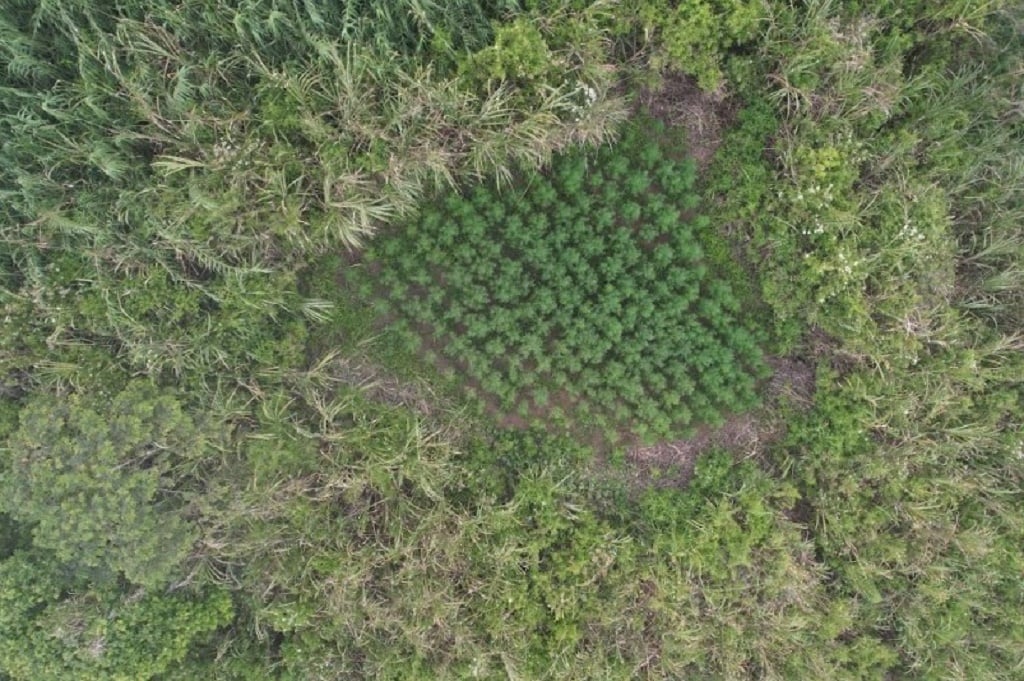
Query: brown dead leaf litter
678, 102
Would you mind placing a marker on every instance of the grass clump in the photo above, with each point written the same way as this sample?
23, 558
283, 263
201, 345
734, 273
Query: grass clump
584, 289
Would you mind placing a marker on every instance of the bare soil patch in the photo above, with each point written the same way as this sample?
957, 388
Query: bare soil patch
671, 464
678, 102
379, 385
792, 381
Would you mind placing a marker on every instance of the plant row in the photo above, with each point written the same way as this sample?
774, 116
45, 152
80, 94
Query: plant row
587, 282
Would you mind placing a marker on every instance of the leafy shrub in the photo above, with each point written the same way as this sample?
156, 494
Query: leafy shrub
915, 480
585, 284
519, 54
55, 625
692, 36
92, 476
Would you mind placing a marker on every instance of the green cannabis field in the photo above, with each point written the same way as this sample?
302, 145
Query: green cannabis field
520, 340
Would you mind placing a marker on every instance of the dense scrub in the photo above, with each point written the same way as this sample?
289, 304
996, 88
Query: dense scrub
588, 281
214, 465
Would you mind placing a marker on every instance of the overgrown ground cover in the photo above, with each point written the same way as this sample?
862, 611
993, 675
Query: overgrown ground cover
218, 463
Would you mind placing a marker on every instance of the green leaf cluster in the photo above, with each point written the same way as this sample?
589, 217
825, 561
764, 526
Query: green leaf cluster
55, 625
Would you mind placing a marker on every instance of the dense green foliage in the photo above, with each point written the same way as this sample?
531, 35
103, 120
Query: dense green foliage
57, 625
587, 281
217, 463
112, 468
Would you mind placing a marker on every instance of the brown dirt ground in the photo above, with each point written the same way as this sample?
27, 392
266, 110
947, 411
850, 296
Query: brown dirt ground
379, 385
678, 102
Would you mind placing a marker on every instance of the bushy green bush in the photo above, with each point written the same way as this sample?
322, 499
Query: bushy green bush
692, 36
914, 481
584, 285
93, 476
56, 625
